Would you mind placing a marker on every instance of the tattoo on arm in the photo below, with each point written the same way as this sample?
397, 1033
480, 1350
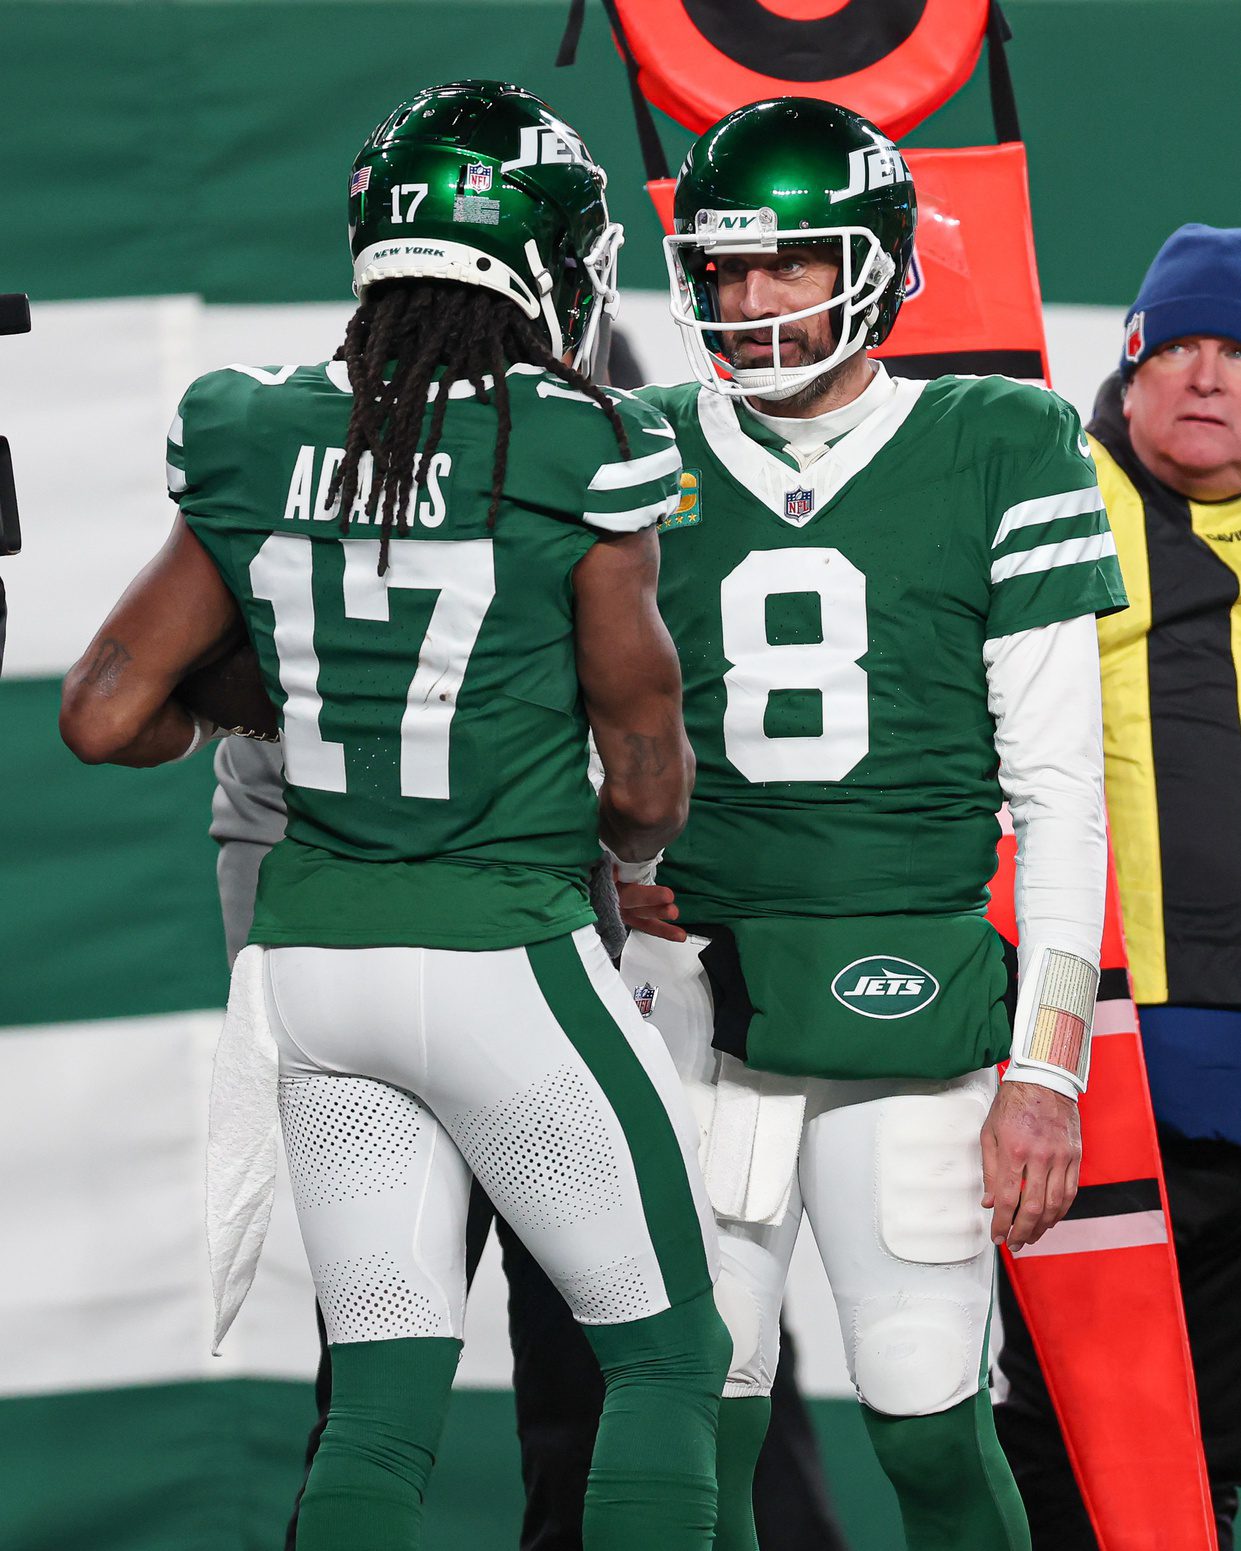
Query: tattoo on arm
109, 663
647, 756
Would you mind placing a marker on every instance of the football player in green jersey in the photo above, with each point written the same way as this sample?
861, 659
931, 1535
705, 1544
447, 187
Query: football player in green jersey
442, 544
883, 595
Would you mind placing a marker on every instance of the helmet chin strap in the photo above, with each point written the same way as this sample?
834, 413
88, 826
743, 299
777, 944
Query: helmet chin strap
761, 383
769, 383
543, 282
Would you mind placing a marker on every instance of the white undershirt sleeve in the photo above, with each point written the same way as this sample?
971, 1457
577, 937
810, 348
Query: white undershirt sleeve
1043, 691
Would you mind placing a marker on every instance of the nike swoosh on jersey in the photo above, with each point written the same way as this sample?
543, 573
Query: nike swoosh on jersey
659, 430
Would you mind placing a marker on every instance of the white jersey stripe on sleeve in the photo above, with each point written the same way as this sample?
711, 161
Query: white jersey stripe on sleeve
618, 476
176, 431
176, 479
1048, 557
1046, 508
637, 517
553, 390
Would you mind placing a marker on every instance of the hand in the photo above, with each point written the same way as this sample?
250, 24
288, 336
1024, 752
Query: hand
649, 908
1031, 1155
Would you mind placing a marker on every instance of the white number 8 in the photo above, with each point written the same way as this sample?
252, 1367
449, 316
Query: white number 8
831, 665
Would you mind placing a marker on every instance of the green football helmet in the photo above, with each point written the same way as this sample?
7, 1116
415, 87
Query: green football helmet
792, 170
480, 182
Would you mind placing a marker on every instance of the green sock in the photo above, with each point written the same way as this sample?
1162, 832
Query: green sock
743, 1426
652, 1480
952, 1481
369, 1477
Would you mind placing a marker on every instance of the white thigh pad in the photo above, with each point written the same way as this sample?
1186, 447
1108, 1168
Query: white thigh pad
739, 1309
915, 1356
929, 1177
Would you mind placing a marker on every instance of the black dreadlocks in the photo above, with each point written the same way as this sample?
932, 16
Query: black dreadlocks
422, 326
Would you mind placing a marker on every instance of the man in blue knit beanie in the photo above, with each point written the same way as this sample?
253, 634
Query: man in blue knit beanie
1166, 437
1193, 286
1182, 350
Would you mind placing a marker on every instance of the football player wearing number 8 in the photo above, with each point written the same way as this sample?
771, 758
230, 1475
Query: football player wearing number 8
883, 595
443, 546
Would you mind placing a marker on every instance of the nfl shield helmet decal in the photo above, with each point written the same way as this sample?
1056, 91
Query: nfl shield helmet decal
798, 503
478, 177
644, 998
1135, 337
913, 278
885, 987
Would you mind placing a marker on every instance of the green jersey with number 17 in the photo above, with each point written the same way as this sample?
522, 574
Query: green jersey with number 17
435, 742
830, 622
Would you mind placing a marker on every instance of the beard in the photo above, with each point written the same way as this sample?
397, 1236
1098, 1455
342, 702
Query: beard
810, 393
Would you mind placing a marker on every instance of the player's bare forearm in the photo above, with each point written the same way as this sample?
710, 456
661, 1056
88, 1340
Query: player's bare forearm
98, 720
1031, 1154
631, 684
117, 705
644, 800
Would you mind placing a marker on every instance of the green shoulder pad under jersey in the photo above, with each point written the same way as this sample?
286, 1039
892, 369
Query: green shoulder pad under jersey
830, 618
433, 731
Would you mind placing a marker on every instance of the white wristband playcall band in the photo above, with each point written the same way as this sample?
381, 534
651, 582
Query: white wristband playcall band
204, 732
638, 872
1055, 1011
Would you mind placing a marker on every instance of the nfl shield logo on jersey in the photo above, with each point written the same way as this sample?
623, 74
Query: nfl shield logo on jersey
798, 503
644, 998
478, 177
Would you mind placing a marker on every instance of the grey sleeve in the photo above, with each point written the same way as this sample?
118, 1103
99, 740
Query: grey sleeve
610, 927
247, 818
249, 795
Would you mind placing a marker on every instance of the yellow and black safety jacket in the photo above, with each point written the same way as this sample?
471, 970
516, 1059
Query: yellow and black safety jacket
1172, 725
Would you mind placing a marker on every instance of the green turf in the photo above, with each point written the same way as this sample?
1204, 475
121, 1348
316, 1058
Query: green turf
214, 1467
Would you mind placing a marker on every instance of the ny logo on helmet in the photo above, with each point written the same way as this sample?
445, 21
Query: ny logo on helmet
541, 144
871, 167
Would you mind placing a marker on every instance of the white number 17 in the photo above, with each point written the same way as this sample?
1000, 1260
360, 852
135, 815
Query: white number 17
463, 574
399, 191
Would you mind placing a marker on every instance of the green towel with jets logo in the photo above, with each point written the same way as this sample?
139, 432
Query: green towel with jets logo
861, 996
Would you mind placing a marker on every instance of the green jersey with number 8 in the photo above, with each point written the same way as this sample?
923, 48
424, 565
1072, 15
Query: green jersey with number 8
434, 738
830, 621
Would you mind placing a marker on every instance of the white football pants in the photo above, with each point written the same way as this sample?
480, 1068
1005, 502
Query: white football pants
889, 1174
403, 1070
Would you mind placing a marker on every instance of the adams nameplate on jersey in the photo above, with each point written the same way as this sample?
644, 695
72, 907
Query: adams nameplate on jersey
885, 987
